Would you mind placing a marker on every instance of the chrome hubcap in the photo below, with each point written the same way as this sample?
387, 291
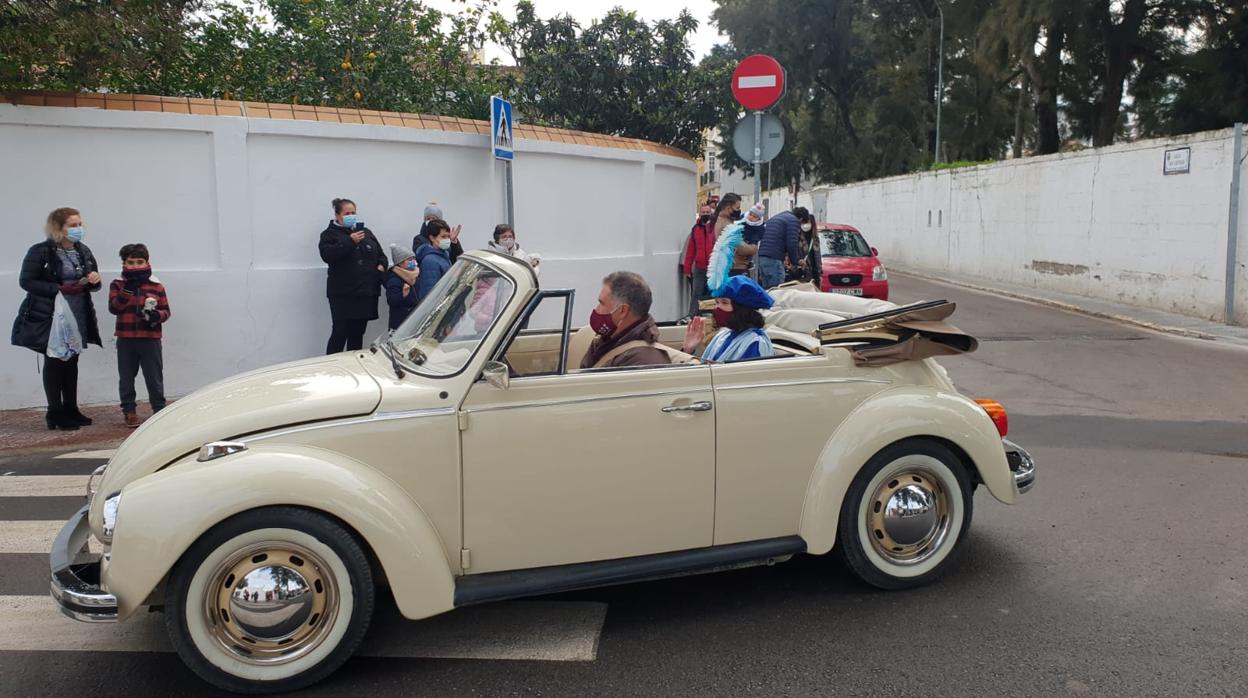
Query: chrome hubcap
908, 516
271, 603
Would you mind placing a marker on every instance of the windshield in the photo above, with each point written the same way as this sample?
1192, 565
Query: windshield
445, 330
843, 243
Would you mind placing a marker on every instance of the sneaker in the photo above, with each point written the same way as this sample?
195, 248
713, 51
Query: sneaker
132, 420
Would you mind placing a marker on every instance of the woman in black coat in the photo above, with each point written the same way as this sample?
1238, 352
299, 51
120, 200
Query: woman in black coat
60, 265
357, 269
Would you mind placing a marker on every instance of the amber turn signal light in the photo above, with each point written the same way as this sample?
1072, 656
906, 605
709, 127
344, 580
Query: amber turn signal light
997, 413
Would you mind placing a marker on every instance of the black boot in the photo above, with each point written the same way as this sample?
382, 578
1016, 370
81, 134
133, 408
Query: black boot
52, 418
62, 421
69, 396
73, 414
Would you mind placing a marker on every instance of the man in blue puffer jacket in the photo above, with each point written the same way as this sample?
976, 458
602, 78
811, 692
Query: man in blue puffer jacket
780, 240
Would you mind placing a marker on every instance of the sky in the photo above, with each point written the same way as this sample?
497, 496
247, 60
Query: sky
585, 11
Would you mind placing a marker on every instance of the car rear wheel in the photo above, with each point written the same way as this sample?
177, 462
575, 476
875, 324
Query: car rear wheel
905, 515
270, 600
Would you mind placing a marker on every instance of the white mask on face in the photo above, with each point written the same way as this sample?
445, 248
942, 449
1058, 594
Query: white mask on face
508, 243
805, 227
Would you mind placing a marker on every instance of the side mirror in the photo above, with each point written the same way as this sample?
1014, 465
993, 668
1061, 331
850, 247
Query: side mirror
497, 374
875, 252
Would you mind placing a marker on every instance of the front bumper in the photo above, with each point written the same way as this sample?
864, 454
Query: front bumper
76, 575
1022, 466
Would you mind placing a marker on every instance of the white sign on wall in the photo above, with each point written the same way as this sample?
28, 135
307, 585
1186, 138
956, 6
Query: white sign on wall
1178, 161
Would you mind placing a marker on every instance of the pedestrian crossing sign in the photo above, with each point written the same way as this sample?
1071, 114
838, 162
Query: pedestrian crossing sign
500, 128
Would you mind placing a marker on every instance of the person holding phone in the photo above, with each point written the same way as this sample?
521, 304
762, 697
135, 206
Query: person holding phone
357, 269
61, 265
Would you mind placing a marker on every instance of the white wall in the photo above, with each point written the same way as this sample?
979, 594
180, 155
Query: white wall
1104, 223
232, 208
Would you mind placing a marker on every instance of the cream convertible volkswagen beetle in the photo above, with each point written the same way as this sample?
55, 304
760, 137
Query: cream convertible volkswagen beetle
462, 462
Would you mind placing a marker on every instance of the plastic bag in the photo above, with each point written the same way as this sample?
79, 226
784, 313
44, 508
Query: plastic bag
64, 339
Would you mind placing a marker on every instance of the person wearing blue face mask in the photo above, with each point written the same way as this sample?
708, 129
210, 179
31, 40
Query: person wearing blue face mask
401, 294
357, 268
59, 266
434, 255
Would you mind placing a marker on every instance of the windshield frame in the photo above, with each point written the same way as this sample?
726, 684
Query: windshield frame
515, 289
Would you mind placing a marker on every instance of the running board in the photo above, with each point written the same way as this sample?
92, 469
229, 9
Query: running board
496, 586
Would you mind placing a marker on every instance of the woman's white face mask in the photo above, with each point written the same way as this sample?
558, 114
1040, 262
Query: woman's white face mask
805, 227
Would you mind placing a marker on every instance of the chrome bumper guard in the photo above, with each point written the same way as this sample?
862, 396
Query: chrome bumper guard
1022, 465
76, 575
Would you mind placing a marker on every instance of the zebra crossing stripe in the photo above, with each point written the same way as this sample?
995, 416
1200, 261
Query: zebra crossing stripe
32, 536
557, 631
88, 455
43, 486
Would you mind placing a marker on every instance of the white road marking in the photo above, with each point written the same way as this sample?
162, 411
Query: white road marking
44, 486
32, 536
557, 631
89, 455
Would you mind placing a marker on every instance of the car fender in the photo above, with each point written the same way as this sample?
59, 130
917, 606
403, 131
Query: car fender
161, 515
889, 417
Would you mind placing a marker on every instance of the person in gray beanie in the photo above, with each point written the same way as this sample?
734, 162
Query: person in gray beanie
400, 284
433, 212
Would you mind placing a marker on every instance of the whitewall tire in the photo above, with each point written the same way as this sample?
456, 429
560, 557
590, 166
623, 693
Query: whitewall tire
270, 600
905, 515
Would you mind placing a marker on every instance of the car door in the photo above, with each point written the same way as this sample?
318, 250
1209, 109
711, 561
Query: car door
774, 417
588, 466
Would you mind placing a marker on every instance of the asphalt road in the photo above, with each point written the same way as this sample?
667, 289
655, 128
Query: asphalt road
1125, 572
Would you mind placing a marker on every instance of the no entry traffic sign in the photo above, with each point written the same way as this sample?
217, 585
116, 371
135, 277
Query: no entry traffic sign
758, 82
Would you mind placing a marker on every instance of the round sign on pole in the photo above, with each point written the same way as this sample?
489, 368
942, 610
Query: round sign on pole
758, 82
772, 142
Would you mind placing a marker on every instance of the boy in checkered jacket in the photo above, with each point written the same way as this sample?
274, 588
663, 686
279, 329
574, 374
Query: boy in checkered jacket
139, 302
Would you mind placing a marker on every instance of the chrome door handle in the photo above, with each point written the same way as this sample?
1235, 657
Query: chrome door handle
703, 406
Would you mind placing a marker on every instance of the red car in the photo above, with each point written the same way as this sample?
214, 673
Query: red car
850, 265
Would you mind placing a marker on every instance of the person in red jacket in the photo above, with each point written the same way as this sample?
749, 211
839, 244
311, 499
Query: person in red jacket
698, 256
141, 306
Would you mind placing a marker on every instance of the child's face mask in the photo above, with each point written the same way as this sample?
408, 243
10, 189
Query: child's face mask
410, 265
444, 244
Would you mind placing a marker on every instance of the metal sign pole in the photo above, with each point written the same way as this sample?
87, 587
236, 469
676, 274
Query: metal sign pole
1232, 229
508, 193
758, 155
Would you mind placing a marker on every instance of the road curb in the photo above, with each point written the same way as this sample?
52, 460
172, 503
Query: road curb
1125, 319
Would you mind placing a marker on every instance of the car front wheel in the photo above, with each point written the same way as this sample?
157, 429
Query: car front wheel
270, 600
905, 515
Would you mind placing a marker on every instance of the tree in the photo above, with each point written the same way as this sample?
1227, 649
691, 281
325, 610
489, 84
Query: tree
76, 44
1034, 34
1203, 88
395, 55
1113, 39
863, 88
619, 76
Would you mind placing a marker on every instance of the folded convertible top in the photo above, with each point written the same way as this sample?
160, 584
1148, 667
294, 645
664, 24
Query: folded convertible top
878, 334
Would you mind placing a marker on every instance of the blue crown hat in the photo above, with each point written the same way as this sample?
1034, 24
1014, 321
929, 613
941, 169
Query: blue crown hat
744, 290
